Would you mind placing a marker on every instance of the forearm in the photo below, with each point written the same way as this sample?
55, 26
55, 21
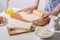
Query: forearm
56, 10
36, 3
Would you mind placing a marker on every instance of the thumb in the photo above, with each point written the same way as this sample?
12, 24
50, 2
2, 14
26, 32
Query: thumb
45, 16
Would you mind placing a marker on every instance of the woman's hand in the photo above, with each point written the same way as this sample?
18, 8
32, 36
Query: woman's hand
46, 16
29, 9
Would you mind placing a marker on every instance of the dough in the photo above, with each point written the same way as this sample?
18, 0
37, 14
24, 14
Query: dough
25, 17
20, 25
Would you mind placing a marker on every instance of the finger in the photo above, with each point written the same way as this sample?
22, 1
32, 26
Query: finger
46, 19
45, 16
23, 10
30, 11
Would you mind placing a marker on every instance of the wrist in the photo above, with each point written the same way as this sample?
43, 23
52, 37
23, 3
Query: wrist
53, 13
49, 13
34, 7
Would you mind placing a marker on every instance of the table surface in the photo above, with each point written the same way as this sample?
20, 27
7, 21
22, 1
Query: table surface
28, 36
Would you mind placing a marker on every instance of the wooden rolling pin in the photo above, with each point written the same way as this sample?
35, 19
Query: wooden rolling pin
38, 13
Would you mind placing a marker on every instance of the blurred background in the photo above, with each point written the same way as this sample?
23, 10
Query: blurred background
22, 4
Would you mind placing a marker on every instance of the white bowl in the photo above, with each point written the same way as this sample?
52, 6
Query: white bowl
42, 33
3, 23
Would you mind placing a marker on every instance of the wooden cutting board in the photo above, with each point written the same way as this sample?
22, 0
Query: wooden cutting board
15, 31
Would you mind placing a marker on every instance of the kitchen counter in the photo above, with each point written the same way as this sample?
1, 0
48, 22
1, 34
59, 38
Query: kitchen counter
28, 36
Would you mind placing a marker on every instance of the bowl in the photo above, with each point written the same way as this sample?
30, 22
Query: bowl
3, 20
45, 32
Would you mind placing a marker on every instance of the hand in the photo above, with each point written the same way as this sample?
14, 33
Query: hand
41, 22
46, 16
44, 20
29, 9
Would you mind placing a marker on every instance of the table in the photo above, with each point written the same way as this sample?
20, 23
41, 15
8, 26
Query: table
28, 36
